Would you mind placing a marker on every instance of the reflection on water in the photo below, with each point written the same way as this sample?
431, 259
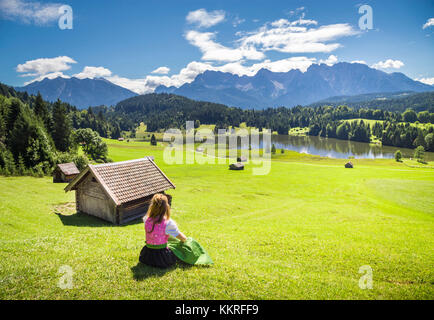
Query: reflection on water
335, 148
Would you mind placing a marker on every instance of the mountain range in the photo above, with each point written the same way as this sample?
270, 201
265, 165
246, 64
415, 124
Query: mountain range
271, 89
320, 82
81, 93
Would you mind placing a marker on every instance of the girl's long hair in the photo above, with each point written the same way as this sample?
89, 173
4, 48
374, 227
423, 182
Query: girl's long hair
158, 210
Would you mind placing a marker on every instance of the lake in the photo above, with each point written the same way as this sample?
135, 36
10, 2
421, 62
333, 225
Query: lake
335, 148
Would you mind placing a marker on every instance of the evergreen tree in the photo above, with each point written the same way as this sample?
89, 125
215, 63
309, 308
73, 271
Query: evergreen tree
153, 140
40, 109
29, 139
21, 167
116, 132
61, 127
14, 110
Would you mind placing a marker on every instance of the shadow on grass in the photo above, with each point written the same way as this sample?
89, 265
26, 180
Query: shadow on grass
142, 271
80, 219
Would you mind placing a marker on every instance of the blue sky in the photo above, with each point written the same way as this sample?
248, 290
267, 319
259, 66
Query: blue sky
141, 44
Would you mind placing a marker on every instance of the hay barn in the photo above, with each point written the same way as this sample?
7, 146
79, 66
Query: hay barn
119, 192
65, 172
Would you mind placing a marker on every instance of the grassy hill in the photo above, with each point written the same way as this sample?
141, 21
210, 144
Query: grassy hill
302, 231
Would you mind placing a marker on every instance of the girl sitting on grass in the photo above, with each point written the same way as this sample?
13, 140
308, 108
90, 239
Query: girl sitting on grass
165, 244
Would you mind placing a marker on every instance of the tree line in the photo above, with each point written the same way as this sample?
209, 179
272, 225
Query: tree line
164, 111
35, 135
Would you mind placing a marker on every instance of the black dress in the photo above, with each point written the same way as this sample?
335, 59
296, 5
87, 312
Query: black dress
159, 258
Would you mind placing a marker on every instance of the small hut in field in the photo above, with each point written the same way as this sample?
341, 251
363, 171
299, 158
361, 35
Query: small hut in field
236, 166
119, 192
121, 139
65, 172
349, 165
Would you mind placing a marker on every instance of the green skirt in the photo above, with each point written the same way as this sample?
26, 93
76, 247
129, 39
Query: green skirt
190, 251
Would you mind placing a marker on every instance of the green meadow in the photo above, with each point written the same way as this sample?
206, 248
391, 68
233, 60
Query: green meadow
301, 232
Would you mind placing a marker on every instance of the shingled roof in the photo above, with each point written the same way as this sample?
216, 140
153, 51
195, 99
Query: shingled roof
68, 168
127, 180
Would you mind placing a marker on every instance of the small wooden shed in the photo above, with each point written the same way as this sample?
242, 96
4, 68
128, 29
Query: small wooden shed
119, 192
65, 172
349, 165
236, 166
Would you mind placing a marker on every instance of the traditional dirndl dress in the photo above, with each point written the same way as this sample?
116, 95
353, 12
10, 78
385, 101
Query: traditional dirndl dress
162, 252
156, 253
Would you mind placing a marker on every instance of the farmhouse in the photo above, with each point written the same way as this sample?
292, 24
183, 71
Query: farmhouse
65, 172
119, 192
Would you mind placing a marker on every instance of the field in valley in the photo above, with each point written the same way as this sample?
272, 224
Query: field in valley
300, 232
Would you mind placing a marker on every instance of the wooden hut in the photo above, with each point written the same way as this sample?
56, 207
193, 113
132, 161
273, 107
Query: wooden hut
119, 192
65, 172
349, 165
236, 166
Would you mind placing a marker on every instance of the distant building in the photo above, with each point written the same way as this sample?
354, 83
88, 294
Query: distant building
65, 172
121, 139
119, 192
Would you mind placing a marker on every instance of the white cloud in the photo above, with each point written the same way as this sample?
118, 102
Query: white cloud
286, 23
48, 76
297, 36
359, 61
205, 19
213, 51
149, 83
388, 64
429, 23
297, 11
43, 66
237, 21
283, 65
161, 70
294, 37
429, 81
30, 12
331, 60
93, 72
